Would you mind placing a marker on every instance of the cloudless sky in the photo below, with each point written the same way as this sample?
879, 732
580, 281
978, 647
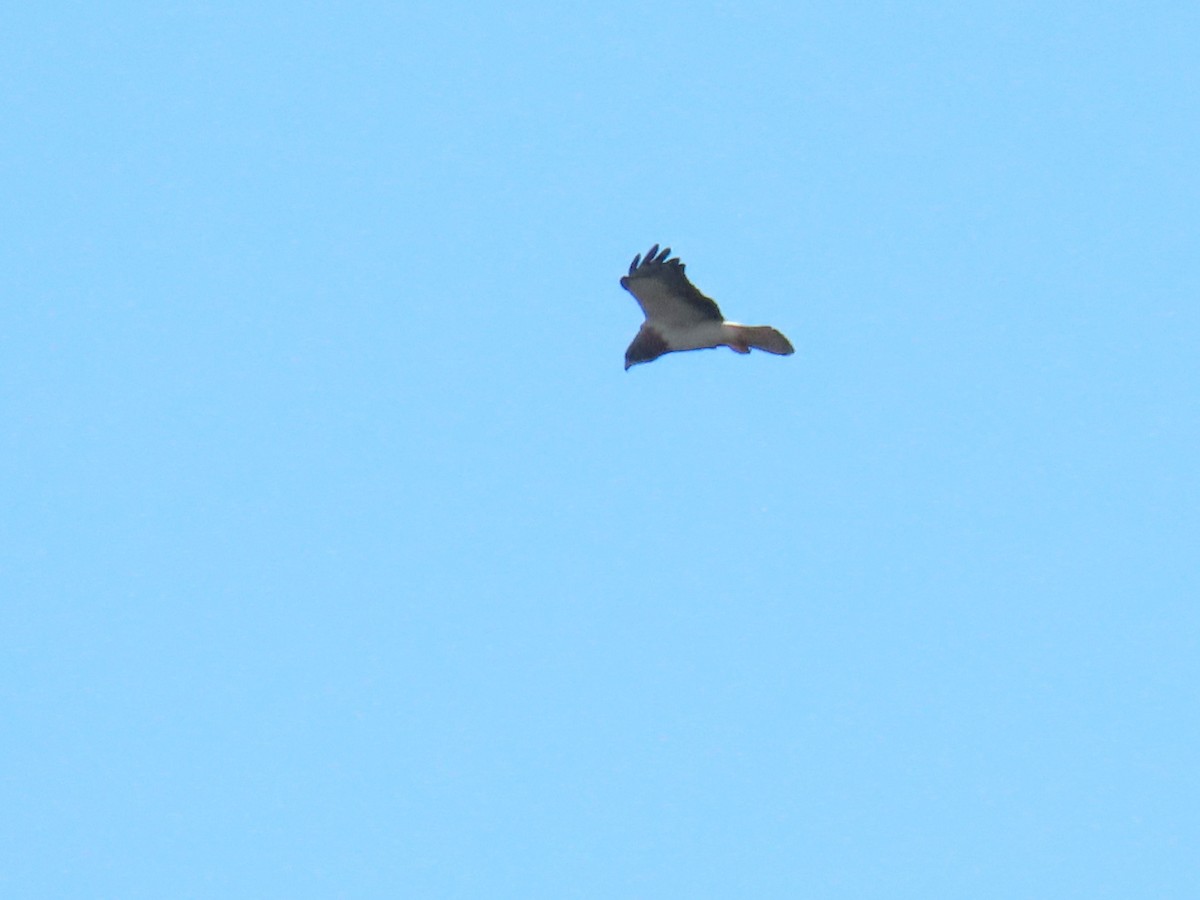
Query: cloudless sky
339, 556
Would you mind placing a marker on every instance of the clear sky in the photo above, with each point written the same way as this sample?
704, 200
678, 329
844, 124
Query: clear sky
339, 556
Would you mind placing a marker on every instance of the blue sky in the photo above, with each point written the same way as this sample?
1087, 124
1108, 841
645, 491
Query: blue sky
340, 556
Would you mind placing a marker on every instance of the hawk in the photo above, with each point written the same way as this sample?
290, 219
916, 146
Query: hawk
679, 317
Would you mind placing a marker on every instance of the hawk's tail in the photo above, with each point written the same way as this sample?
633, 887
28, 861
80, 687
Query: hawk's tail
764, 337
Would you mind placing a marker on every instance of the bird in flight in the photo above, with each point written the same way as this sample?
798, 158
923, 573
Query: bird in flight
679, 317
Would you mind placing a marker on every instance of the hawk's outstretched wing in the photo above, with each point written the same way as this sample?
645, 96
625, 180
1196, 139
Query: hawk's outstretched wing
664, 292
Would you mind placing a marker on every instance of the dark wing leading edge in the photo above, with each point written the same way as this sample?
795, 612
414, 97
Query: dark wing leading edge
664, 292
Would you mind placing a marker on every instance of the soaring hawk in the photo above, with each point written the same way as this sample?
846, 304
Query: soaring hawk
679, 317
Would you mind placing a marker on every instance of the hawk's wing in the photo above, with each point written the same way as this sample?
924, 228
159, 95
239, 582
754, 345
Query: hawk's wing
665, 294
